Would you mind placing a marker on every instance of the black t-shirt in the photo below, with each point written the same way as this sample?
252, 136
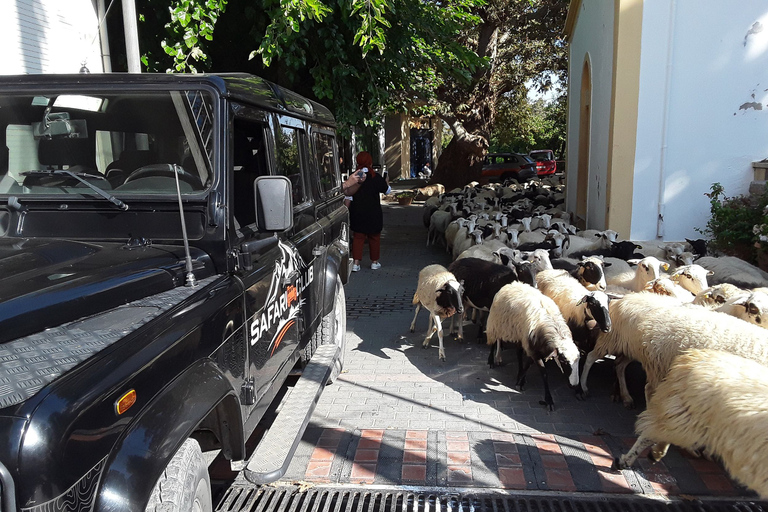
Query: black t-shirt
365, 213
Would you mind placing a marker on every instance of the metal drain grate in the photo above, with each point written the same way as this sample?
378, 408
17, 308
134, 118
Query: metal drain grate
291, 499
379, 304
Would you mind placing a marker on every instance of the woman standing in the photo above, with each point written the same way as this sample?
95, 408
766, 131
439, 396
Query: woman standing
365, 215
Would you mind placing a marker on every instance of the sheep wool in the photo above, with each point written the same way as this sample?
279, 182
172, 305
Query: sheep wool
729, 269
585, 311
716, 400
521, 314
654, 330
440, 293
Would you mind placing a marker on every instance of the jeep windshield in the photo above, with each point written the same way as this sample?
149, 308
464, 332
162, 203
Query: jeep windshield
127, 144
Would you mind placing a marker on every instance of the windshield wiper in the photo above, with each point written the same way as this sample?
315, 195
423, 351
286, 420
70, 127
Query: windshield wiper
79, 176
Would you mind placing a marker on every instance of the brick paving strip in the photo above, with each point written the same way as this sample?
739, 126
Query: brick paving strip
543, 462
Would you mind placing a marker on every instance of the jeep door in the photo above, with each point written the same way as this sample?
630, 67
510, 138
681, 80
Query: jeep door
271, 304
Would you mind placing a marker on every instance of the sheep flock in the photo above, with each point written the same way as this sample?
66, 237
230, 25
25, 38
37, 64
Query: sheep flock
695, 321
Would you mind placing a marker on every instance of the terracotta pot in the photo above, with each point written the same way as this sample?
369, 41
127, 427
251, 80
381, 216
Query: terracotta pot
404, 201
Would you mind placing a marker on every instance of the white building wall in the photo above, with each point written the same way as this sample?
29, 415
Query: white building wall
48, 36
703, 109
593, 36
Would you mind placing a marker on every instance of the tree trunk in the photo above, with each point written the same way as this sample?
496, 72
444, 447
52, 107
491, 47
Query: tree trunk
461, 161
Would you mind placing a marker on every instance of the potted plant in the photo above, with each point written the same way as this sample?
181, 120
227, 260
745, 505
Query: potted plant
738, 226
405, 198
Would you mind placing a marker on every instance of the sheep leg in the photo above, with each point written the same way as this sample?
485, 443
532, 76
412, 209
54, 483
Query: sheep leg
498, 353
413, 324
591, 358
439, 325
522, 368
547, 395
481, 324
658, 451
430, 331
620, 363
461, 325
626, 460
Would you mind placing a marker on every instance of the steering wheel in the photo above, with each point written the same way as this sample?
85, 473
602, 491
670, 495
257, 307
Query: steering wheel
165, 171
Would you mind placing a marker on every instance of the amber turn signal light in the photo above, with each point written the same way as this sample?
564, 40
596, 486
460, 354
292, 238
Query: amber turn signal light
125, 402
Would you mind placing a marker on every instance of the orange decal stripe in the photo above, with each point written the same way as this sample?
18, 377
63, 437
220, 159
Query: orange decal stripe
281, 334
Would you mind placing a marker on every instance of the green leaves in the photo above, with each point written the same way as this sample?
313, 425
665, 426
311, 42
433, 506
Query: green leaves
733, 221
286, 19
371, 35
191, 23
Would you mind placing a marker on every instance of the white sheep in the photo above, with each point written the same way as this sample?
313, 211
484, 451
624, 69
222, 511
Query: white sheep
728, 269
691, 277
750, 307
462, 244
716, 295
591, 240
523, 315
668, 287
654, 329
438, 223
585, 311
714, 400
648, 269
440, 294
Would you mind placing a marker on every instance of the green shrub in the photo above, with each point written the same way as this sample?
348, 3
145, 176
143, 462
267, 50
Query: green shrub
734, 224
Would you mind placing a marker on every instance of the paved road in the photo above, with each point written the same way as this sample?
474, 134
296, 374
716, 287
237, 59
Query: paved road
399, 415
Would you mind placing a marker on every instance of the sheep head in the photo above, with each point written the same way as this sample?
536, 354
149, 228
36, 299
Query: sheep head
449, 298
596, 311
590, 272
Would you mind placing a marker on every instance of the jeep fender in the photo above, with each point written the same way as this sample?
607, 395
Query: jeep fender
335, 257
149, 443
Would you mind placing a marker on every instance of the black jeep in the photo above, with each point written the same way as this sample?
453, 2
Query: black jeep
171, 248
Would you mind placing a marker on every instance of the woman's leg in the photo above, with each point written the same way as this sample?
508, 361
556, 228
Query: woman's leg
374, 246
358, 239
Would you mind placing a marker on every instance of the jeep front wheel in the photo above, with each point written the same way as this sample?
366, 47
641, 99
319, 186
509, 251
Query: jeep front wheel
184, 485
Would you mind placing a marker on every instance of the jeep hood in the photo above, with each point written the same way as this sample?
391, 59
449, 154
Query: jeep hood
45, 283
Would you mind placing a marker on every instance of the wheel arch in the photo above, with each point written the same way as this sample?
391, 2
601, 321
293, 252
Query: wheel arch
335, 256
201, 396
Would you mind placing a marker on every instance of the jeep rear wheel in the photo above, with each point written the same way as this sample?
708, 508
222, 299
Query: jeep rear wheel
332, 329
184, 485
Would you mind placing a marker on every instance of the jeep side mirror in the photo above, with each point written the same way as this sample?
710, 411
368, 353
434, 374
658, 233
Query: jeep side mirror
273, 203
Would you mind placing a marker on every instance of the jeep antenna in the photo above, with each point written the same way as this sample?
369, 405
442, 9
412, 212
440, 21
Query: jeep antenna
191, 281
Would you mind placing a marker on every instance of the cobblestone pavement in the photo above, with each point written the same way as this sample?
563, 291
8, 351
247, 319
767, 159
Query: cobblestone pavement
399, 415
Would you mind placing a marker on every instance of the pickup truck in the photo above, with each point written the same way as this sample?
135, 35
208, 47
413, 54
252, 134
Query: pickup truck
171, 248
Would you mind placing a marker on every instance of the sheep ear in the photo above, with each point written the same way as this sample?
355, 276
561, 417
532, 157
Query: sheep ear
634, 262
638, 246
710, 273
607, 264
598, 235
582, 300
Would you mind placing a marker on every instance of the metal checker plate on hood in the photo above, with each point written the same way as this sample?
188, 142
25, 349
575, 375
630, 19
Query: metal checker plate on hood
29, 363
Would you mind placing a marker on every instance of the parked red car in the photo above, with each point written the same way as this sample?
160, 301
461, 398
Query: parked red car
502, 166
545, 161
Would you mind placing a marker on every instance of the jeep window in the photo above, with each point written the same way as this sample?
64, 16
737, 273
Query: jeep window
128, 143
289, 161
249, 161
325, 151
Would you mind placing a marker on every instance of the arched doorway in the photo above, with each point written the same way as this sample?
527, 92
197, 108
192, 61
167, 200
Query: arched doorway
585, 121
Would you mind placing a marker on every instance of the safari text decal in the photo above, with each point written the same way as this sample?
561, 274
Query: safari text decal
290, 278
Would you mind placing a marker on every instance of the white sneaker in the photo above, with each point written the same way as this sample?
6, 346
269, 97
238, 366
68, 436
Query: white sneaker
355, 268
375, 265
